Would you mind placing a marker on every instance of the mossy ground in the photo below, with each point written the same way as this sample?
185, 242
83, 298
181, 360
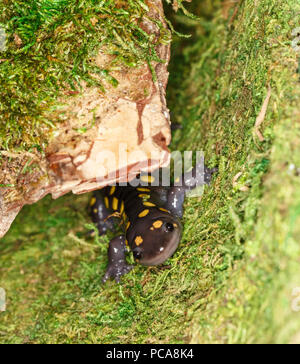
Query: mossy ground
49, 52
232, 278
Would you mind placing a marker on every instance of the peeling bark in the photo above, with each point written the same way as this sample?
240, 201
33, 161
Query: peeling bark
132, 118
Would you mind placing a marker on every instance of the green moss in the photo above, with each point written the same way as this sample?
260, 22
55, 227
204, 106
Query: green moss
232, 278
50, 45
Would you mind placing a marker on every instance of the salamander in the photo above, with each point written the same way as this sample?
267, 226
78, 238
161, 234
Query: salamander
150, 217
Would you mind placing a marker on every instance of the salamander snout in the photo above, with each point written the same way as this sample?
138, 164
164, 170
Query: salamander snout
157, 240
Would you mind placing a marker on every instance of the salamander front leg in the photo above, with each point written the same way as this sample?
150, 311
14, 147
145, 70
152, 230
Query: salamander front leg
117, 265
198, 176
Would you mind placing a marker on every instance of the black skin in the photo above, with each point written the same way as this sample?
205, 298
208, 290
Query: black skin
150, 216
117, 261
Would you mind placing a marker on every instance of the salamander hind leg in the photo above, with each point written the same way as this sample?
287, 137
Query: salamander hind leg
117, 265
100, 214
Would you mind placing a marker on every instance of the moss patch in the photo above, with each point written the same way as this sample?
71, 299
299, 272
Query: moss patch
233, 276
49, 52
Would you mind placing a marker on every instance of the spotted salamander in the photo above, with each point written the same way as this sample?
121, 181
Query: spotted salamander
150, 216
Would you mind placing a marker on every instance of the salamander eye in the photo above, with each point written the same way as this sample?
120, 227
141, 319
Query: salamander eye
137, 253
169, 227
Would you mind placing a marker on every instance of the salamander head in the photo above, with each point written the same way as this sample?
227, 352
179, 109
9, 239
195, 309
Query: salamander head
155, 238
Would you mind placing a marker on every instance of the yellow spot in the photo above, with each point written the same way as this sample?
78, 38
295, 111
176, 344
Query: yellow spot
127, 226
141, 189
157, 224
126, 242
149, 204
177, 180
138, 240
175, 225
106, 202
147, 179
112, 190
115, 203
164, 210
144, 213
95, 211
93, 201
122, 208
144, 196
152, 228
